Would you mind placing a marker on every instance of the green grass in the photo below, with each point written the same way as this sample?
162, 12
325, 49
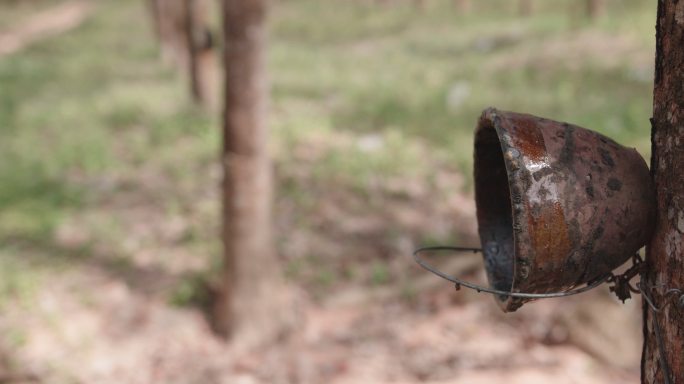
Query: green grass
364, 69
67, 102
96, 101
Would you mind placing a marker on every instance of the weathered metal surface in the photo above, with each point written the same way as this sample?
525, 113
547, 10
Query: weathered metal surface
557, 205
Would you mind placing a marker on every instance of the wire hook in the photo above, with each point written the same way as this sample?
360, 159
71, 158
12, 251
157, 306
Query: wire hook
524, 295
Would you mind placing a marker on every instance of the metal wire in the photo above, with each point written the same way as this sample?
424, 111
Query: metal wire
668, 293
667, 373
524, 295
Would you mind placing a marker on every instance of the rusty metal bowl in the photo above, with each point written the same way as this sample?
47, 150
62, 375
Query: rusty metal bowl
557, 205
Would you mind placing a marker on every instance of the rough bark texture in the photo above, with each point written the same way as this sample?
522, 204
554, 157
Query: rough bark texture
252, 304
666, 252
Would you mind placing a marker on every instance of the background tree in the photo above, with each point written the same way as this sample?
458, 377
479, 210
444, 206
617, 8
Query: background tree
185, 41
169, 21
252, 305
525, 7
666, 252
153, 9
463, 6
199, 42
595, 8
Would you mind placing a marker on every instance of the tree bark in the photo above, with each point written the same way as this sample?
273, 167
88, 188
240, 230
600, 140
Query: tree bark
594, 8
201, 65
170, 26
525, 7
193, 50
665, 256
463, 6
252, 305
153, 9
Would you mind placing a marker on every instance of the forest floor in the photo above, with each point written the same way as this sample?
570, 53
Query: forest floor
109, 195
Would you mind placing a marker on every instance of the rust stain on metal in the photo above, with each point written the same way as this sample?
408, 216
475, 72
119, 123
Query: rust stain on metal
549, 232
529, 141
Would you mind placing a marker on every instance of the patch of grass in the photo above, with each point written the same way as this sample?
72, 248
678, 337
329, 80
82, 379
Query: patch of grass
193, 290
293, 269
428, 75
63, 103
15, 338
409, 292
20, 279
76, 110
325, 277
380, 274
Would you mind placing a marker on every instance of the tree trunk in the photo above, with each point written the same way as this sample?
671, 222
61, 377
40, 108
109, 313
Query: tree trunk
153, 9
193, 49
170, 26
665, 255
252, 306
201, 65
463, 6
594, 8
525, 7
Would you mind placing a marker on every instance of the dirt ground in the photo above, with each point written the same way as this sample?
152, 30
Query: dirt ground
109, 319
91, 327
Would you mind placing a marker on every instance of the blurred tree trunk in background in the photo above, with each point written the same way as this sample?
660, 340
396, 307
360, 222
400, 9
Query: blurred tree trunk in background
595, 8
201, 66
463, 6
252, 305
185, 41
665, 255
169, 23
525, 7
153, 9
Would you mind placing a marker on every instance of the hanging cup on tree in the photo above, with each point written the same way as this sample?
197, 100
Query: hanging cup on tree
558, 205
